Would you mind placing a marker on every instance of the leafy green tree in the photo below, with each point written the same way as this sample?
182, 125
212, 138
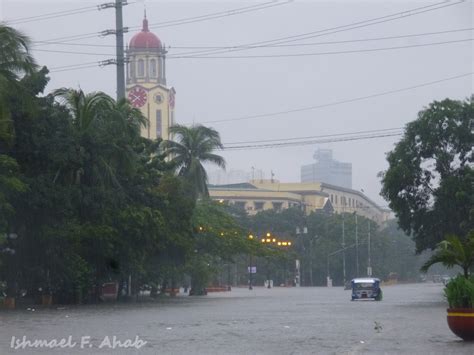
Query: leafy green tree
15, 61
429, 182
194, 146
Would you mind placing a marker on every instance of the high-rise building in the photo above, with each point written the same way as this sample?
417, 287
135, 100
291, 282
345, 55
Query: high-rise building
146, 83
327, 170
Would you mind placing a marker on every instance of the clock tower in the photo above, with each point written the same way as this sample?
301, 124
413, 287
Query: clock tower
146, 83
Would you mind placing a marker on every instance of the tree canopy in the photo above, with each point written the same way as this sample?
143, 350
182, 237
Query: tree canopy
430, 180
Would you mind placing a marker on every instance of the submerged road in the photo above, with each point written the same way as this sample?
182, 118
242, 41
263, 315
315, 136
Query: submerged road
411, 319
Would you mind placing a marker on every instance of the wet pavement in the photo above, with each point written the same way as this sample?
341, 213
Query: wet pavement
411, 319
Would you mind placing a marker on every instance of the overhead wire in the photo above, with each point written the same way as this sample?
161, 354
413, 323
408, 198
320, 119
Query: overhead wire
74, 67
318, 136
218, 15
280, 45
311, 142
334, 42
183, 21
331, 30
50, 15
340, 102
411, 13
288, 55
312, 54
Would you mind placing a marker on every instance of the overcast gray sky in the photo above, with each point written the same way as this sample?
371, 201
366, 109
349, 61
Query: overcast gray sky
210, 89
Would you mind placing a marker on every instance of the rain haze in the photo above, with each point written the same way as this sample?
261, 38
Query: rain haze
245, 92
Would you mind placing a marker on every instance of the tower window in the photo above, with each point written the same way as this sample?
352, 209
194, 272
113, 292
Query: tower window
132, 71
158, 123
141, 67
153, 70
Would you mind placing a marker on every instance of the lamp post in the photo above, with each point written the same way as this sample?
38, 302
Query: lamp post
250, 265
304, 231
357, 243
250, 272
343, 244
369, 263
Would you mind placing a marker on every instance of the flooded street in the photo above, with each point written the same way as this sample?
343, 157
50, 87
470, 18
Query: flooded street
411, 319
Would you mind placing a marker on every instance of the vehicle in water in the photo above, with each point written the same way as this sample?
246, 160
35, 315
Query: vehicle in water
366, 288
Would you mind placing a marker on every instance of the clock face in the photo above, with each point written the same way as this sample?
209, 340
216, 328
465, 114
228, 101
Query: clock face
158, 98
137, 96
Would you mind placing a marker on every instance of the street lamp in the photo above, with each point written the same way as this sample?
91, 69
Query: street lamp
369, 263
250, 237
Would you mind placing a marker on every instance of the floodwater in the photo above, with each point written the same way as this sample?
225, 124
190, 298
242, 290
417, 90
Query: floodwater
411, 319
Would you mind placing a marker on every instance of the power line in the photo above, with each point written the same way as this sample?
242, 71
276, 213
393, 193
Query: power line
72, 66
340, 102
275, 55
332, 42
332, 30
220, 14
52, 15
289, 55
183, 21
71, 52
279, 45
95, 65
73, 37
310, 142
319, 136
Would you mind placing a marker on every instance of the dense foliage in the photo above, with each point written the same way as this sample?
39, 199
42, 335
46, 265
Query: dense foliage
85, 200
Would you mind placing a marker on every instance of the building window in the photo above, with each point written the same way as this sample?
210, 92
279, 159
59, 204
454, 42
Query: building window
141, 68
336, 199
259, 205
332, 198
153, 70
159, 131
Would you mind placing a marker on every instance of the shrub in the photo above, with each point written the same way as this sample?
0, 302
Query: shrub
460, 292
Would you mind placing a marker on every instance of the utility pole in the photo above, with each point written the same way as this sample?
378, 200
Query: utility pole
250, 272
369, 264
119, 49
311, 262
357, 246
343, 248
119, 60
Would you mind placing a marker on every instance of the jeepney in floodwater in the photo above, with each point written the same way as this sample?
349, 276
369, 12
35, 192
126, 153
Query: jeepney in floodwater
366, 288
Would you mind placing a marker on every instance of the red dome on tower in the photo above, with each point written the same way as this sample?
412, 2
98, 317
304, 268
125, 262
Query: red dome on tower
145, 39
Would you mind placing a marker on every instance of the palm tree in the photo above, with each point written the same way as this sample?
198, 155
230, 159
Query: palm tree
193, 147
115, 126
452, 252
15, 61
84, 108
